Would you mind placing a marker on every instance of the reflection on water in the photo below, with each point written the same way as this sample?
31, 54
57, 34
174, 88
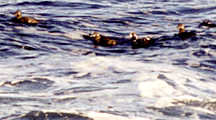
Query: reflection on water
49, 68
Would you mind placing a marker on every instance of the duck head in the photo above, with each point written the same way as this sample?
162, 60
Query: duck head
133, 36
18, 14
96, 36
181, 28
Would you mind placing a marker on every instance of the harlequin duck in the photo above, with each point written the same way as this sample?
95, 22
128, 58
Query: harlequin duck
140, 42
102, 40
185, 34
26, 20
207, 23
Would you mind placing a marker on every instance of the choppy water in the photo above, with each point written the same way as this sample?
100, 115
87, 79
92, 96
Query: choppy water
49, 71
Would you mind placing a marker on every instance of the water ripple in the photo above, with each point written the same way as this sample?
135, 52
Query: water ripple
52, 66
74, 5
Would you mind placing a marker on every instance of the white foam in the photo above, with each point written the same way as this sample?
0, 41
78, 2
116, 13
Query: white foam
155, 88
105, 65
72, 35
106, 116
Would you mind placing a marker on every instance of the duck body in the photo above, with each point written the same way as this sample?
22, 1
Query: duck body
207, 23
185, 34
102, 40
26, 20
140, 42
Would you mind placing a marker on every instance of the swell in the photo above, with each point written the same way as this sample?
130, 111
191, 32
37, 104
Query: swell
40, 115
192, 10
77, 5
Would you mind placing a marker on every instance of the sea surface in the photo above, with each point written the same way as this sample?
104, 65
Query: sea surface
50, 72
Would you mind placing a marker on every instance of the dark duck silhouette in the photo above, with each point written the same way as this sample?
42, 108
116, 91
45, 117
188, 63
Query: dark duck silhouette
207, 23
140, 42
101, 40
26, 20
185, 34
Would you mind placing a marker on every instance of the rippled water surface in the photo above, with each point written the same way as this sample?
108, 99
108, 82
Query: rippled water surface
49, 71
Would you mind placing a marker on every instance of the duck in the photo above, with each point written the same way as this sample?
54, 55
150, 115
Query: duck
26, 20
140, 42
185, 34
207, 23
102, 40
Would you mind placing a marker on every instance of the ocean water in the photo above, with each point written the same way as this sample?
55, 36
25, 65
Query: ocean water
50, 72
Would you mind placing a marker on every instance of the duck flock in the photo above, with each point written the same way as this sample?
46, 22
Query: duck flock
173, 75
135, 41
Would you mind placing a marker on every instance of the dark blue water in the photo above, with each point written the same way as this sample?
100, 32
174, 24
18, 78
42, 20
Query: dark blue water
50, 72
